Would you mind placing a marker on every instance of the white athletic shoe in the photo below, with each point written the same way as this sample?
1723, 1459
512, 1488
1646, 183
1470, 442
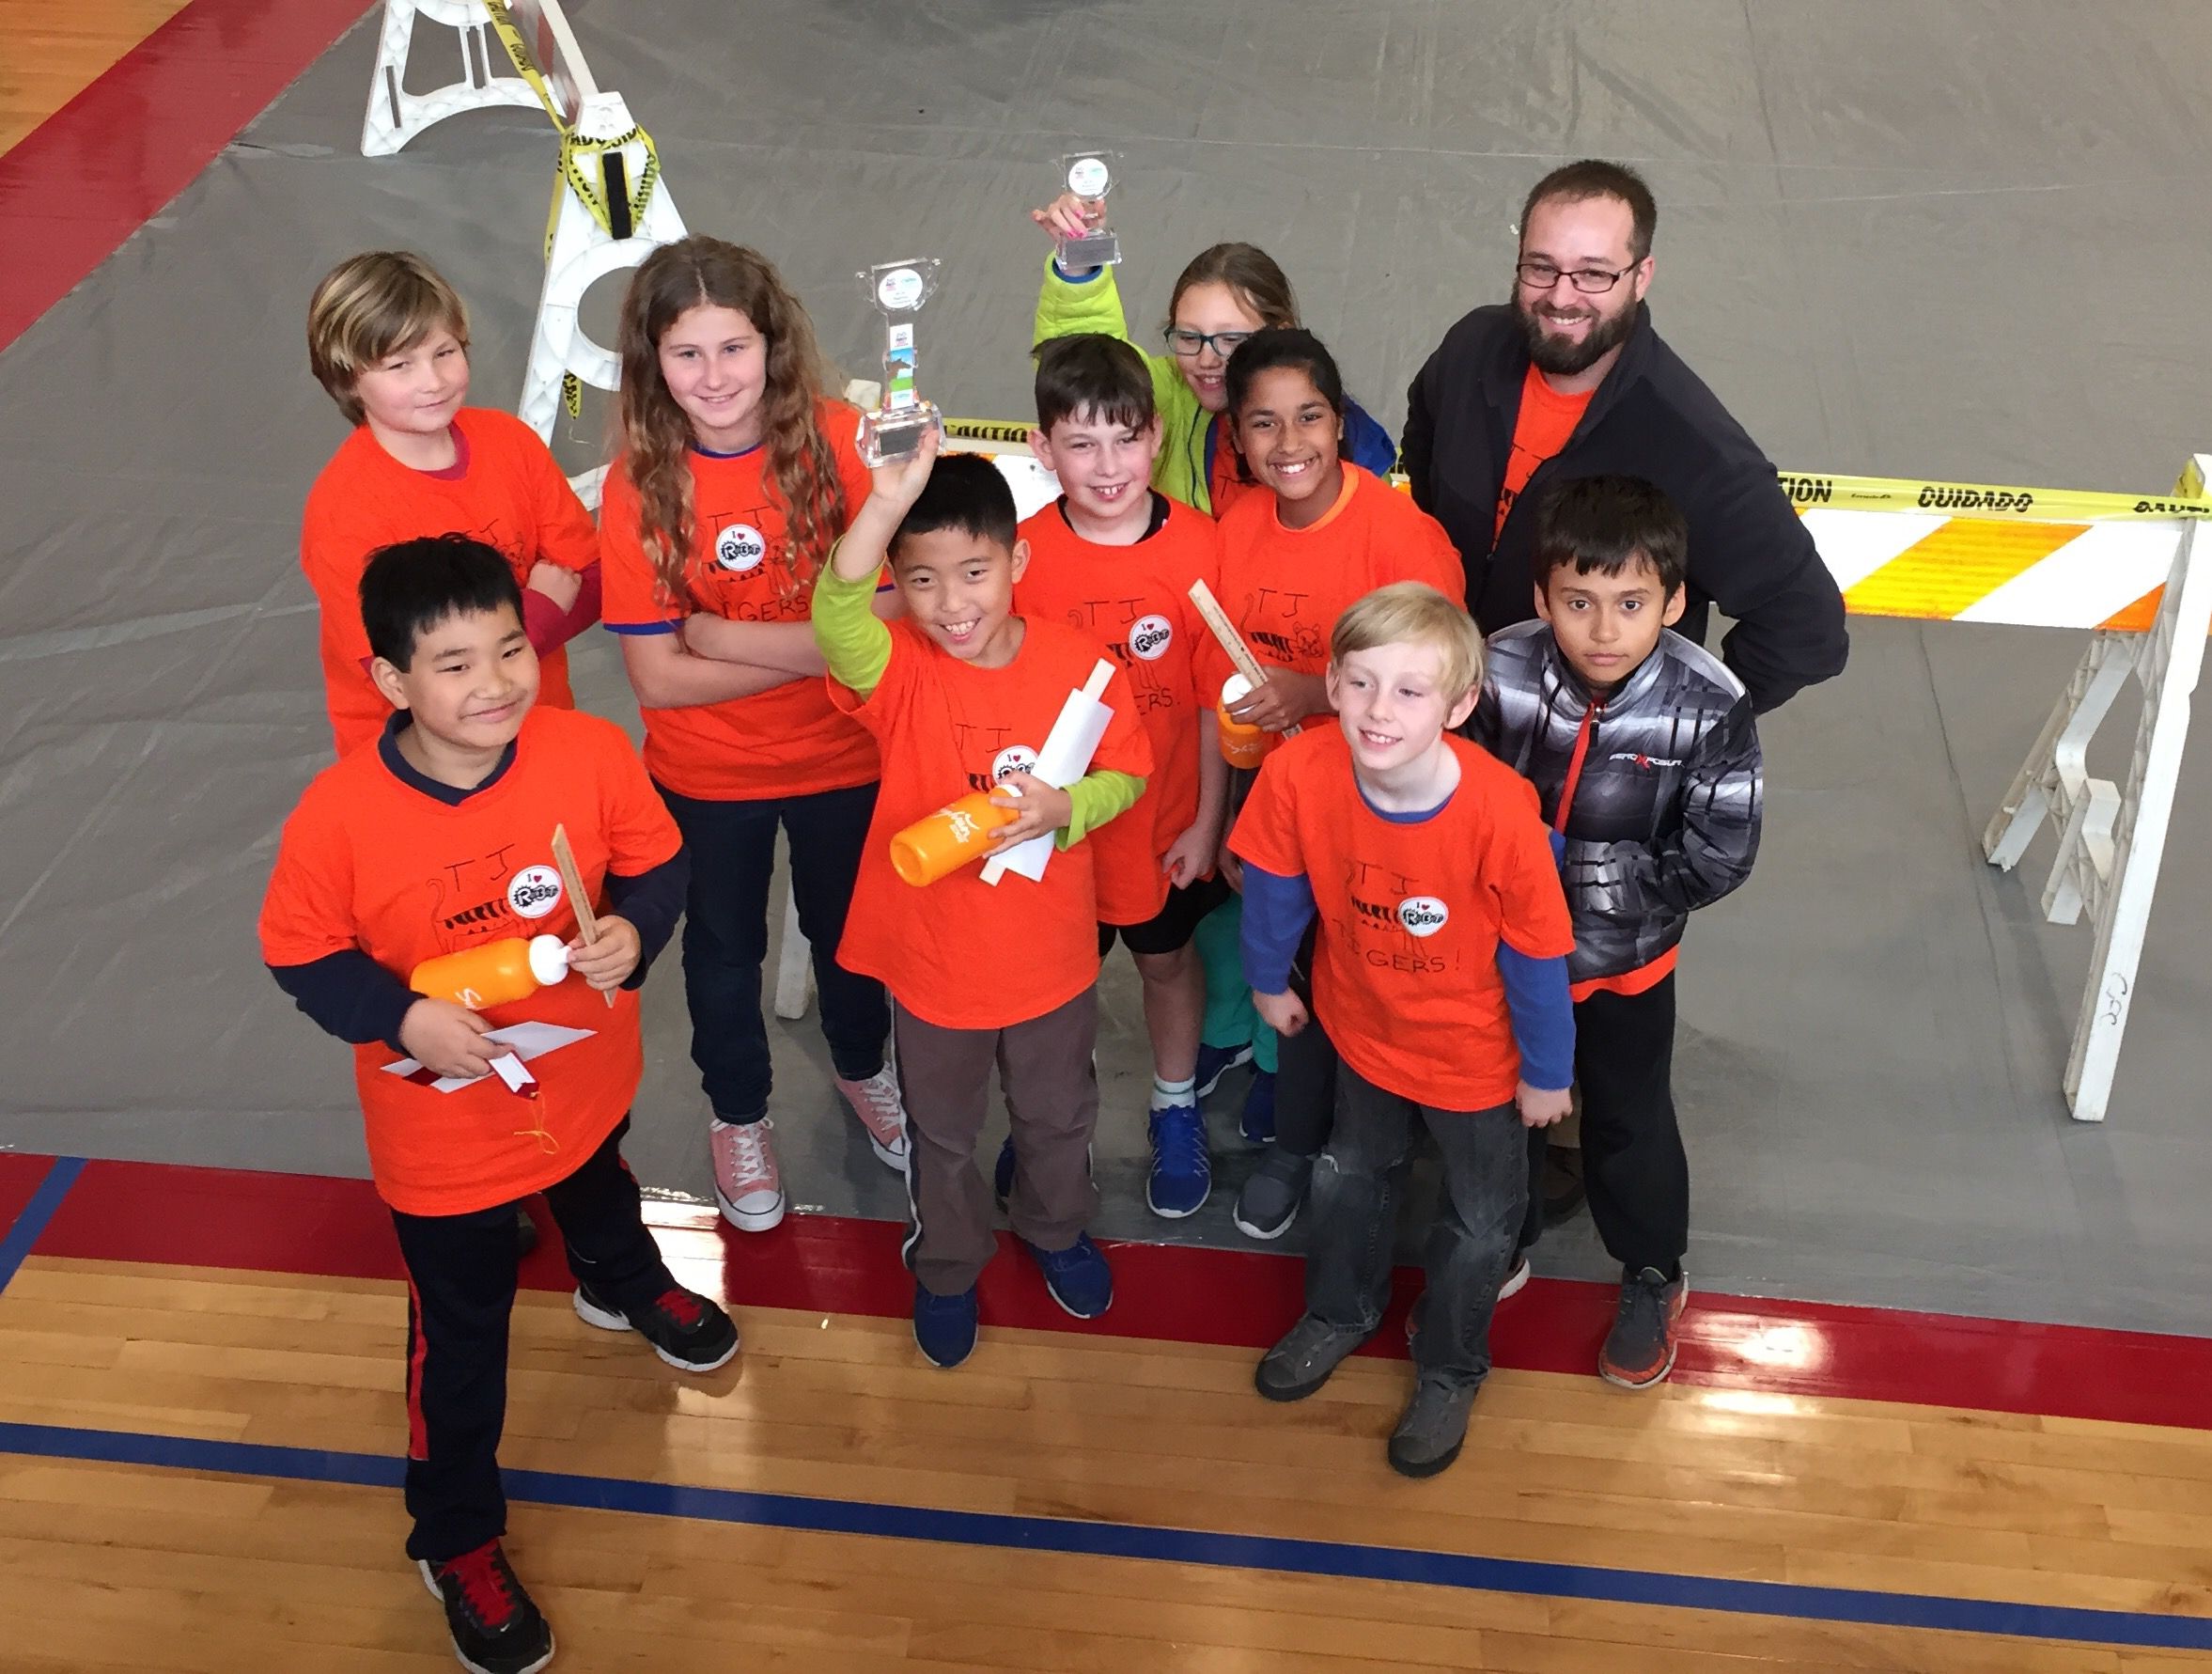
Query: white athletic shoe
747, 1181
875, 1101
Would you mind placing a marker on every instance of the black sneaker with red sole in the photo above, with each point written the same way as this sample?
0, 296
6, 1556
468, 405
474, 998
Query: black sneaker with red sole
685, 1329
495, 1624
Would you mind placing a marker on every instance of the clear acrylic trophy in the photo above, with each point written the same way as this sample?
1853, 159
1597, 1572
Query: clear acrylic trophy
902, 417
1089, 176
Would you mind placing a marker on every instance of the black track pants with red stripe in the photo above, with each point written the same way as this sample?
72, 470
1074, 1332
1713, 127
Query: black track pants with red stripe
460, 1287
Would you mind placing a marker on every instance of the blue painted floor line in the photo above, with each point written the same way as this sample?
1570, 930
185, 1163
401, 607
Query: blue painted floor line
1075, 1537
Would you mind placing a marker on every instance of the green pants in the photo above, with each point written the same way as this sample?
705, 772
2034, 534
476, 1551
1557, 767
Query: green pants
1230, 1020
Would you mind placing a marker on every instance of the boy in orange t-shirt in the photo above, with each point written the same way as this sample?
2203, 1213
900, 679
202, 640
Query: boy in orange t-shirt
1440, 971
389, 339
1115, 559
435, 840
961, 696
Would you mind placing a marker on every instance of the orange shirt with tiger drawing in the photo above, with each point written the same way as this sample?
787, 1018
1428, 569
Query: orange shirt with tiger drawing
790, 740
370, 861
1134, 602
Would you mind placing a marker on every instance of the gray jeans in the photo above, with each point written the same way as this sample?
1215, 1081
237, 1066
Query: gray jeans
1358, 1181
1051, 1091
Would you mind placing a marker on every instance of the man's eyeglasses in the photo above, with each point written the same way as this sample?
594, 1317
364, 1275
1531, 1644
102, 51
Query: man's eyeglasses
1542, 275
1190, 344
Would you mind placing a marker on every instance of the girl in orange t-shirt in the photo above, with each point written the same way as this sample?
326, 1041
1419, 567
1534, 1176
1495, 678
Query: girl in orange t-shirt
736, 476
1293, 559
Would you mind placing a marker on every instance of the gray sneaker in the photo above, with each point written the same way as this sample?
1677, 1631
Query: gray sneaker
1268, 1202
1302, 1362
1433, 1429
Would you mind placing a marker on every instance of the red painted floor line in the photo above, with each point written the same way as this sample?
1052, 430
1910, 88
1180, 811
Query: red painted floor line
89, 176
294, 1223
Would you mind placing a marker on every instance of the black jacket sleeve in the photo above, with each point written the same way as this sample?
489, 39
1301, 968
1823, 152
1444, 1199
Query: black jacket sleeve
1754, 558
1417, 447
652, 901
349, 995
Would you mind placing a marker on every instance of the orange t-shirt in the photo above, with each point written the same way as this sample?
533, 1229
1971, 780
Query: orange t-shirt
1224, 487
1405, 963
372, 861
1284, 588
1134, 602
790, 740
505, 489
1544, 422
962, 953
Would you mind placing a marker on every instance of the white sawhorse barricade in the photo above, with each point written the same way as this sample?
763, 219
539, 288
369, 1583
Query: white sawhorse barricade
2112, 837
609, 207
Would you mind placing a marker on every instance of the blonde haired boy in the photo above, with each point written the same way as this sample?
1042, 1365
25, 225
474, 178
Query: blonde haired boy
1440, 971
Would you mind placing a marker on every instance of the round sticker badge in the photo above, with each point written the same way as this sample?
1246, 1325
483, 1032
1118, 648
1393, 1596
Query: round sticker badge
740, 547
1423, 914
534, 891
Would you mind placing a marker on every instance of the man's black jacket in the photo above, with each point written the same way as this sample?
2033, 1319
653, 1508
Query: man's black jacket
1652, 417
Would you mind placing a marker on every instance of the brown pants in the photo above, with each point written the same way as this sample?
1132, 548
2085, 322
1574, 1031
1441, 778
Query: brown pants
1051, 1090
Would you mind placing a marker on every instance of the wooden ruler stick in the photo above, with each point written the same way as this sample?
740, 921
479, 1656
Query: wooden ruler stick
1232, 642
587, 921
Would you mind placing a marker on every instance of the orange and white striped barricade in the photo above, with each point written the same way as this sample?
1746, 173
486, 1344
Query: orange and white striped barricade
2137, 572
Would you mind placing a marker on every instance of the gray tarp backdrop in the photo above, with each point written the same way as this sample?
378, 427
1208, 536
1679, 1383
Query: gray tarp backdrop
1900, 237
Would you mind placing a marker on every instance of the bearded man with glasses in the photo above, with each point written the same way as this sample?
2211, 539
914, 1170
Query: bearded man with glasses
1569, 380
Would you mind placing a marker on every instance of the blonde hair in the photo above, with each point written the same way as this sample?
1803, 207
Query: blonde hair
802, 467
371, 305
1414, 613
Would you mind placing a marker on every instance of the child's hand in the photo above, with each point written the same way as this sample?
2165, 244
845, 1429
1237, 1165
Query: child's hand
447, 1040
1231, 869
1068, 216
1540, 1107
1042, 808
898, 483
1189, 858
607, 963
561, 585
1283, 1013
1282, 701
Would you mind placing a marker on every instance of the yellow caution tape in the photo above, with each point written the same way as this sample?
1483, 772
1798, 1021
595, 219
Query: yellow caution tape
1810, 490
572, 175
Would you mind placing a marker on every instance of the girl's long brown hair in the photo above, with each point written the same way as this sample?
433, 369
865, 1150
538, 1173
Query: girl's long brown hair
657, 436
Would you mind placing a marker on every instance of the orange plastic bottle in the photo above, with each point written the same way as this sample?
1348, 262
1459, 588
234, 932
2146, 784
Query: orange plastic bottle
940, 844
496, 974
1242, 745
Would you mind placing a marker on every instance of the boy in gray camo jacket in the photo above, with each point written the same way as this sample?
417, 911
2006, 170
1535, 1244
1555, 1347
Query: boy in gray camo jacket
1644, 755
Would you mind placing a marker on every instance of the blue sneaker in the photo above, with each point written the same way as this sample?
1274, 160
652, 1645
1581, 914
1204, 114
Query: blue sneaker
1182, 1173
1077, 1277
1215, 1062
944, 1326
1256, 1120
1001, 1173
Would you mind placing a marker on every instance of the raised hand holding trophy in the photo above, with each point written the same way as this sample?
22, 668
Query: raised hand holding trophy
901, 418
1089, 177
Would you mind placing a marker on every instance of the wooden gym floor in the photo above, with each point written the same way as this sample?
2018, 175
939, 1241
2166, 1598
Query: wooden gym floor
201, 1420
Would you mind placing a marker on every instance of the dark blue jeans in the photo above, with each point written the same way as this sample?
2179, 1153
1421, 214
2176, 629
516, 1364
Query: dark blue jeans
725, 936
1358, 1183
